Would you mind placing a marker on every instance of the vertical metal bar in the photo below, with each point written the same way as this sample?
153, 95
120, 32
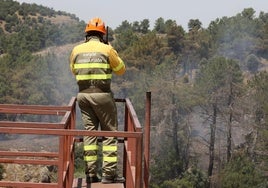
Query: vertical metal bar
68, 160
125, 151
72, 143
68, 157
71, 171
138, 164
61, 161
147, 140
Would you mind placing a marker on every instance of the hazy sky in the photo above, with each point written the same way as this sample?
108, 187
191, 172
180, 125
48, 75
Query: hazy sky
113, 12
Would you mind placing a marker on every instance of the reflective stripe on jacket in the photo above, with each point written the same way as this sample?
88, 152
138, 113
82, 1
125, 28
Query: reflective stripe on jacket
92, 66
93, 63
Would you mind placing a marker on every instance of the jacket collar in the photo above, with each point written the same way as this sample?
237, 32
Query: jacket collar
93, 38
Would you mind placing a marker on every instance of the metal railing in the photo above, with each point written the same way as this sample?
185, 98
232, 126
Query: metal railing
135, 161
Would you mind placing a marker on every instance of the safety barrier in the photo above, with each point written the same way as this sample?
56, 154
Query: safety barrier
135, 161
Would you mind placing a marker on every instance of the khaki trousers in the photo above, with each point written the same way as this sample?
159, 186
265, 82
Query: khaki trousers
99, 110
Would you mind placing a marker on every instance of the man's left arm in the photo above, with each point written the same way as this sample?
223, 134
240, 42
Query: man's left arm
117, 64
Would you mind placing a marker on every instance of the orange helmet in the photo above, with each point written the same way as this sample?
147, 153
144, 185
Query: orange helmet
96, 24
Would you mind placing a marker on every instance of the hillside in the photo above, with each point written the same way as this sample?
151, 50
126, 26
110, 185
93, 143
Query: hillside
37, 27
55, 20
209, 86
13, 12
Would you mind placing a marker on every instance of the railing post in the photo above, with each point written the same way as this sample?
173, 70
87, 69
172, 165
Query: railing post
61, 161
71, 145
147, 140
138, 175
125, 160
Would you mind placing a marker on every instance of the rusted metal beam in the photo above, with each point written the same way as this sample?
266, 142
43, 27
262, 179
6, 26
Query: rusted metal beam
28, 184
133, 116
37, 109
29, 161
29, 154
43, 125
68, 132
14, 110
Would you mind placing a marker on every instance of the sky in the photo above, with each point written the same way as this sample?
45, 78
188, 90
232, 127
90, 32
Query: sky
114, 12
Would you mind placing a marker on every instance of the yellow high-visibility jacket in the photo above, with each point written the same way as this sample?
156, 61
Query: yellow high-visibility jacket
93, 63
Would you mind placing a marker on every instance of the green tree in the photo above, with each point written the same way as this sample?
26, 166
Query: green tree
146, 51
2, 171
194, 24
263, 42
252, 63
172, 125
125, 26
248, 13
124, 39
136, 26
159, 26
194, 178
237, 36
258, 139
144, 26
214, 86
241, 172
175, 35
233, 91
196, 47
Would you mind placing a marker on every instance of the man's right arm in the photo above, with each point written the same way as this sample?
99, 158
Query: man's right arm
72, 56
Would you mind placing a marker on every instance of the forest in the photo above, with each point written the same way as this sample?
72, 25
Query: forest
209, 124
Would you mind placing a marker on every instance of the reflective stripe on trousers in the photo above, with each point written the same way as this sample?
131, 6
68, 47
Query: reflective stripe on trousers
109, 162
109, 157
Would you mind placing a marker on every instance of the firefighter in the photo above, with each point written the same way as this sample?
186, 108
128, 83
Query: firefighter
93, 63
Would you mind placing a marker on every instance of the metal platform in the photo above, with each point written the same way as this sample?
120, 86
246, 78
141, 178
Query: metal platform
81, 183
135, 144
